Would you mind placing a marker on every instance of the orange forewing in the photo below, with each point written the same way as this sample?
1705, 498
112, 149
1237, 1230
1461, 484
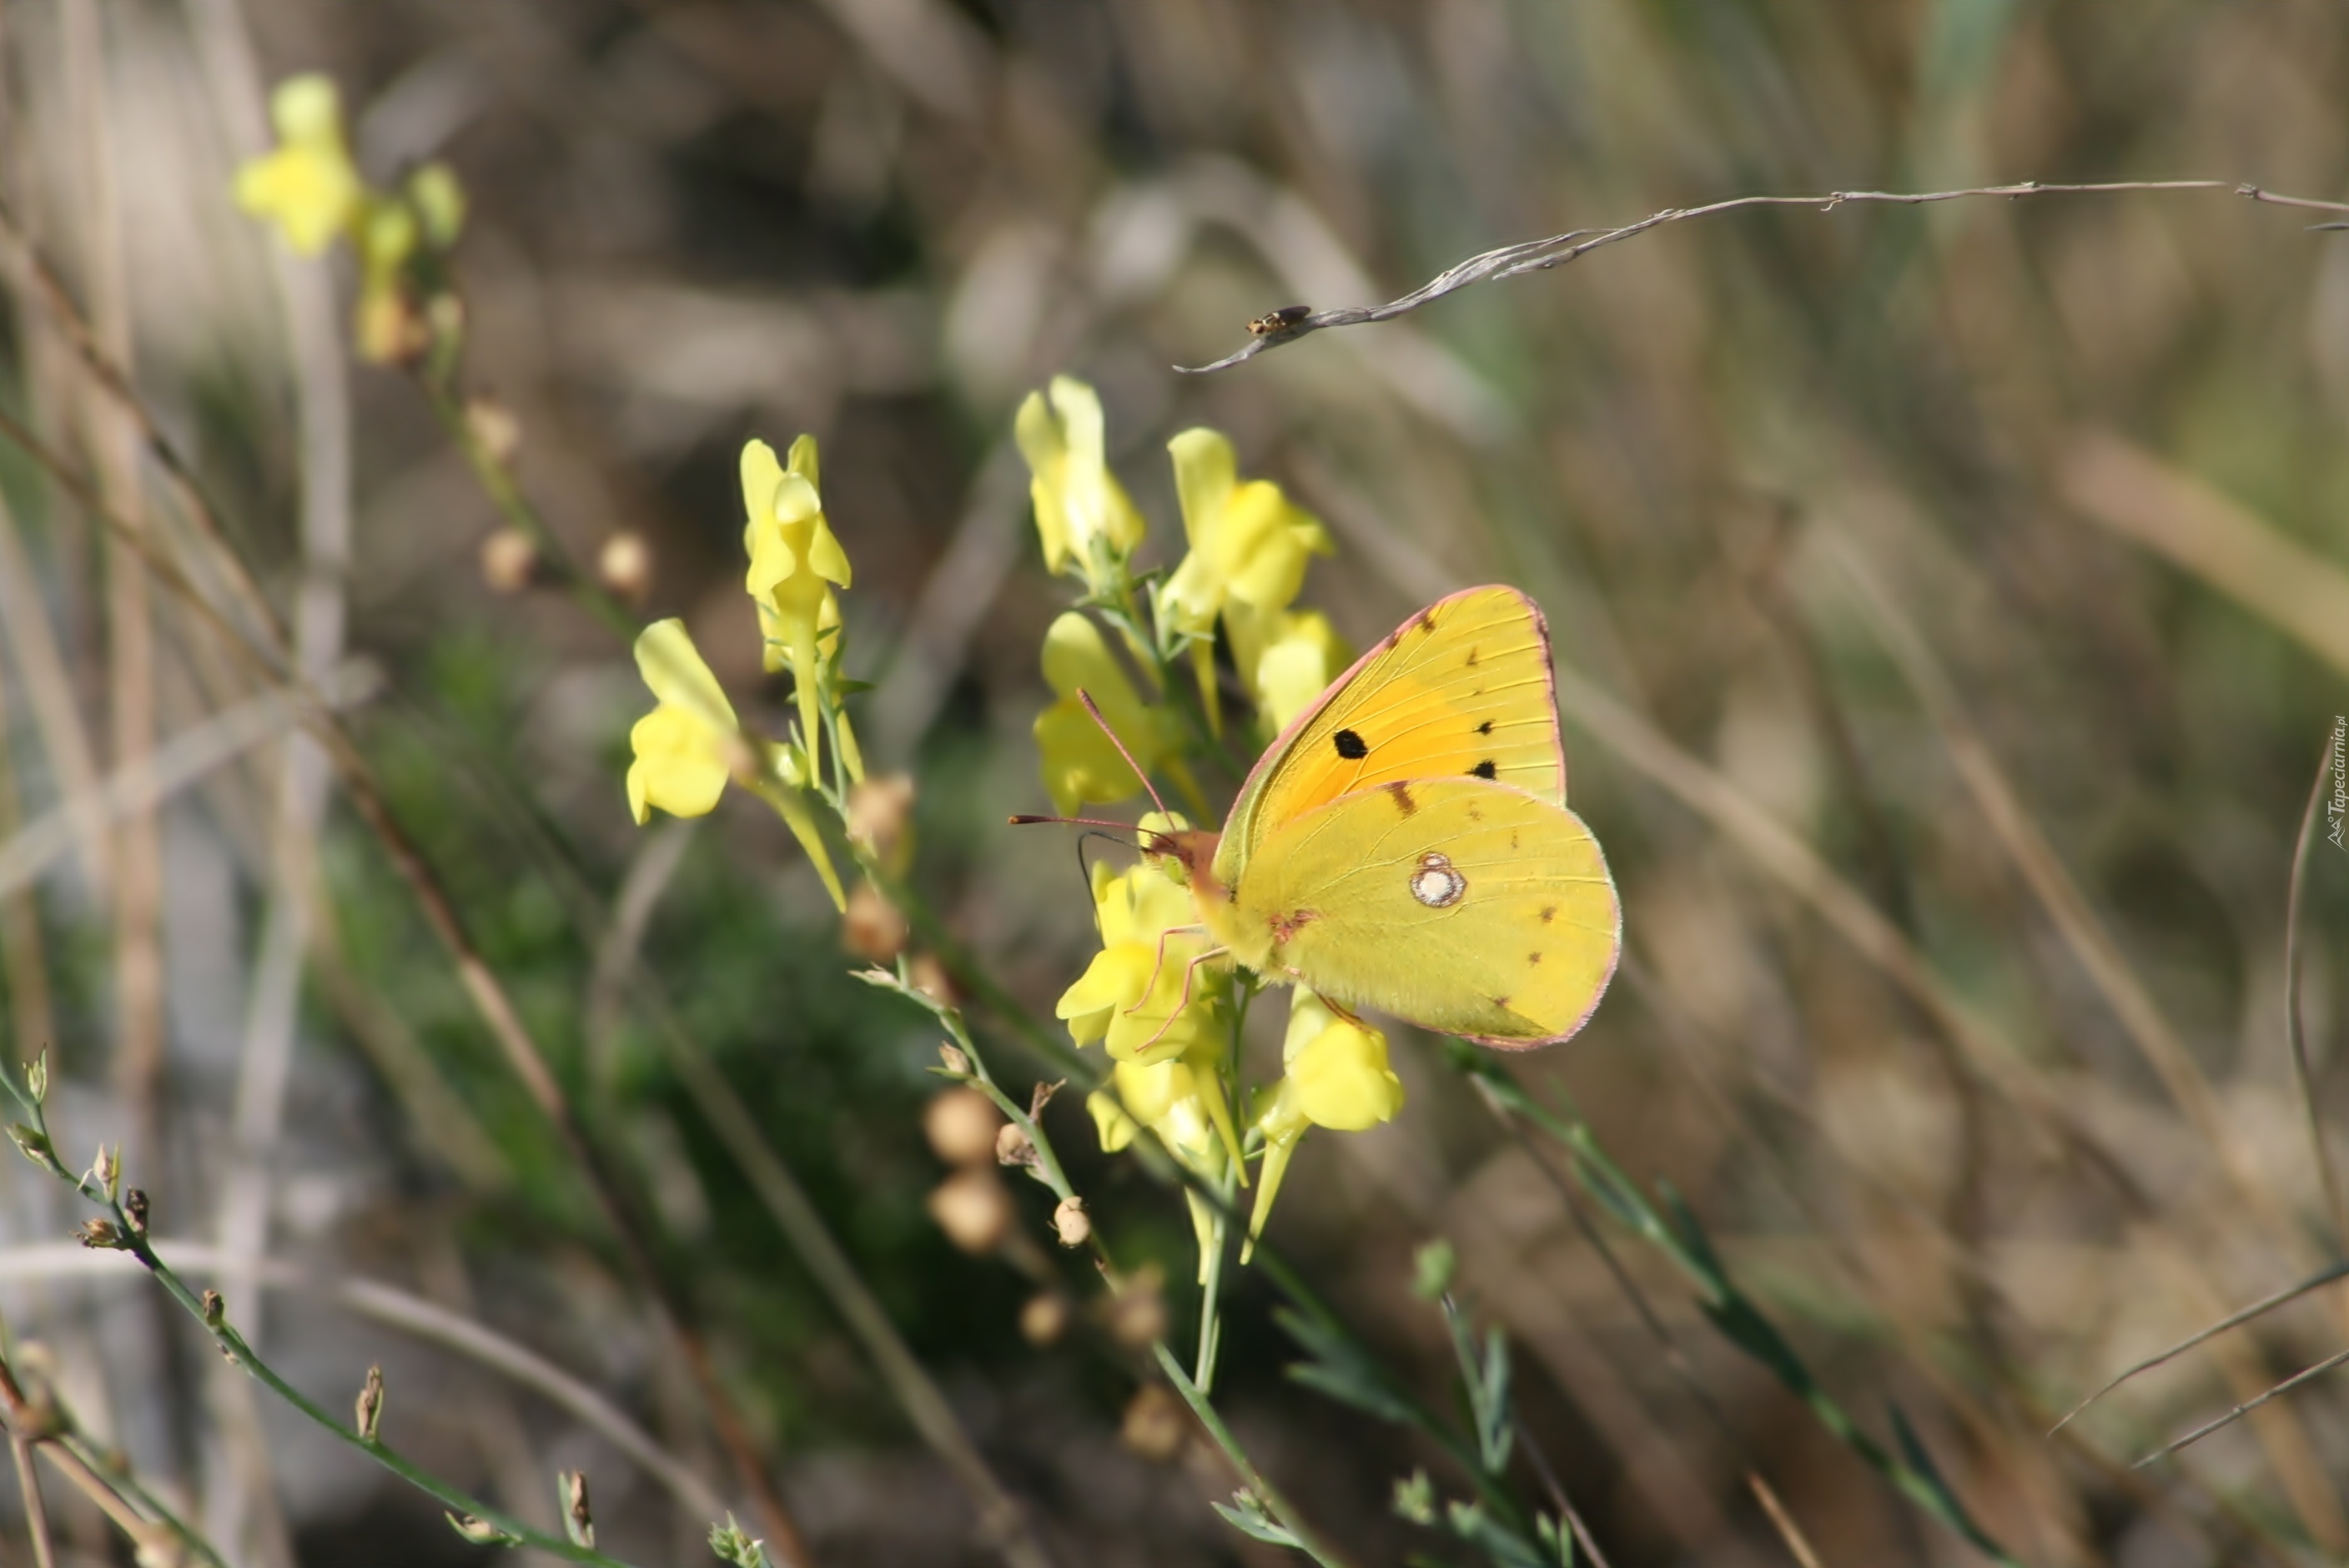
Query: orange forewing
1463, 687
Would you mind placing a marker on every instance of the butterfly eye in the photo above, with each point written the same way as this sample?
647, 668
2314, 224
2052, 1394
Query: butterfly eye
1436, 883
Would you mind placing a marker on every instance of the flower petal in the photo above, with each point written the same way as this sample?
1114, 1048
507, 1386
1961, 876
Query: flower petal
1338, 1069
679, 766
673, 667
1205, 473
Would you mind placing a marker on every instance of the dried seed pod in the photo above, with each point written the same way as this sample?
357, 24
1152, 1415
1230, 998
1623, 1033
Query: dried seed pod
960, 1125
972, 1208
1013, 1146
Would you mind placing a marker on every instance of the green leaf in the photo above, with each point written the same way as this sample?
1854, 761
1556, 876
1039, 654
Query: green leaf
1247, 1516
1414, 1499
1341, 1370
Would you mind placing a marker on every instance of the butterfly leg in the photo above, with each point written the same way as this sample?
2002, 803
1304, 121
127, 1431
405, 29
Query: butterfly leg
1190, 972
1151, 983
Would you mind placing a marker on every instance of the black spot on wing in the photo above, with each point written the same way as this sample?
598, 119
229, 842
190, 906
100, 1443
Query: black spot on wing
1484, 769
1349, 745
1485, 728
1548, 914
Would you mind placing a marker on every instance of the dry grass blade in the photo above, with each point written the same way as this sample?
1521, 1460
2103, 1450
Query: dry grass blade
2083, 931
2176, 515
411, 1313
1798, 1545
183, 761
2245, 1408
2233, 1320
49, 691
37, 1510
1557, 250
2295, 1032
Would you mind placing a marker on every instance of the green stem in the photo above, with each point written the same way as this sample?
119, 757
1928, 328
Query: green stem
1211, 1288
1274, 1503
232, 1345
1730, 1310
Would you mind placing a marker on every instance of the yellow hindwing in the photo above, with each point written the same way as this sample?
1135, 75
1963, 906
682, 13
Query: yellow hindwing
1469, 907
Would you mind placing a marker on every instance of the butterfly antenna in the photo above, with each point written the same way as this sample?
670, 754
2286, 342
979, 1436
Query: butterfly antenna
1092, 708
1154, 844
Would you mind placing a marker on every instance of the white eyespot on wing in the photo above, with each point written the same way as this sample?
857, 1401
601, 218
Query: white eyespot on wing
1436, 883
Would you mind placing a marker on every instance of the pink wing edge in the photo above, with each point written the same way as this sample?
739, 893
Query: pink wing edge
1614, 961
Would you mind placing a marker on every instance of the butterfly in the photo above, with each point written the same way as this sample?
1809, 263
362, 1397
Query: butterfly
1406, 844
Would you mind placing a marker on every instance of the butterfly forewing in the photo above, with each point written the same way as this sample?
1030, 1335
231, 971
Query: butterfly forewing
1471, 908
1462, 689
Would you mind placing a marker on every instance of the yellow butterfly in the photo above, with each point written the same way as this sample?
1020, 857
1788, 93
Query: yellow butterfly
1406, 844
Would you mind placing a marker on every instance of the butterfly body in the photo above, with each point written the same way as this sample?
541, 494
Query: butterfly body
1405, 845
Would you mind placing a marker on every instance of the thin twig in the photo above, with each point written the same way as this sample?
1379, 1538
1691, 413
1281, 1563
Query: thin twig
486, 992
2084, 932
36, 1511
2265, 1304
2303, 1075
1798, 1543
2245, 1408
124, 1230
42, 1425
1558, 1500
411, 1313
1286, 326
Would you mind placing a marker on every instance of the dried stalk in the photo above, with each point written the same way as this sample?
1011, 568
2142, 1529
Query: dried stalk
1287, 326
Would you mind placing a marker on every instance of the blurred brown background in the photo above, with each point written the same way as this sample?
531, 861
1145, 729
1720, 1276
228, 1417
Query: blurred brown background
1954, 603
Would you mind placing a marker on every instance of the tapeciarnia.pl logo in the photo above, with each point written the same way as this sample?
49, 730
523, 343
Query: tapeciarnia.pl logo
2336, 809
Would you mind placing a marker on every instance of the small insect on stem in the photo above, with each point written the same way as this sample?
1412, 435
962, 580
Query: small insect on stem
1273, 323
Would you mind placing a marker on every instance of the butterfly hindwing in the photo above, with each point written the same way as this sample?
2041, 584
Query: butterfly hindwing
1462, 689
1469, 907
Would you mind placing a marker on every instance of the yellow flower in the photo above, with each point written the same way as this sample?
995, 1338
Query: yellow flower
685, 748
1181, 1100
1304, 654
1336, 1077
307, 185
1131, 995
794, 564
1249, 548
1082, 514
690, 745
1080, 764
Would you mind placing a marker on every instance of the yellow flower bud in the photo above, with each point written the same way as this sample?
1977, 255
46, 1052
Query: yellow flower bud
440, 202
1337, 1078
1300, 661
1115, 1128
1249, 549
307, 185
795, 562
1338, 1068
1081, 765
1082, 514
